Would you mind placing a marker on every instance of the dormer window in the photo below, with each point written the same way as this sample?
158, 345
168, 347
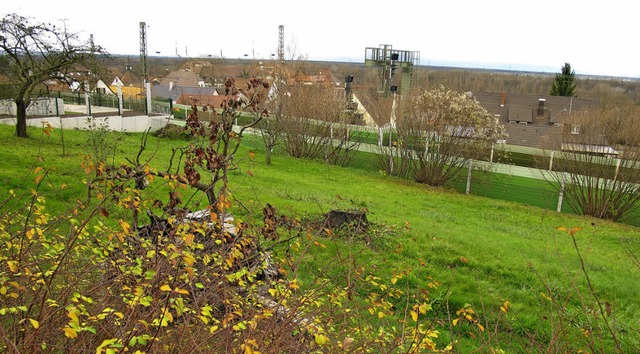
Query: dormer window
575, 129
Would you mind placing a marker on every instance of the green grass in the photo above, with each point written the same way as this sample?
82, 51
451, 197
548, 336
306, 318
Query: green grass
505, 243
483, 250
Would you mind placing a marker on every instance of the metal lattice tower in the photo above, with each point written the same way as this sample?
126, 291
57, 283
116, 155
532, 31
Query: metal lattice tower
281, 43
143, 52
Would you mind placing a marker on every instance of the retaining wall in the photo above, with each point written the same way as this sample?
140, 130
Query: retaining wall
134, 124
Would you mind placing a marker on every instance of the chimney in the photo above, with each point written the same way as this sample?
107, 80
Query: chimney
170, 85
541, 102
503, 98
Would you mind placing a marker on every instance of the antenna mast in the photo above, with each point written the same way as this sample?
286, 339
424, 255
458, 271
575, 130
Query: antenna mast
143, 52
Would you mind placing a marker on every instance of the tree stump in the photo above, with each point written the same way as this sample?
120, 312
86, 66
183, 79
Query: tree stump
337, 218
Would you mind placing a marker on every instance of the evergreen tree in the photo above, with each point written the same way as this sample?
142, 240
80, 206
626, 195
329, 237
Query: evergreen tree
564, 83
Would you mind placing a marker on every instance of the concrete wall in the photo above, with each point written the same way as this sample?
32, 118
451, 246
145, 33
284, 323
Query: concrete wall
38, 107
129, 124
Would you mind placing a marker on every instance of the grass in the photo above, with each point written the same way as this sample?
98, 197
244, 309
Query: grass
484, 251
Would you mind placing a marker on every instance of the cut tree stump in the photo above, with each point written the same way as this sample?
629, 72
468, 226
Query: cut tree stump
338, 218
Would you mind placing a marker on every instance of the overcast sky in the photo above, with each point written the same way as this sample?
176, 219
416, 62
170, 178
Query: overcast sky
595, 37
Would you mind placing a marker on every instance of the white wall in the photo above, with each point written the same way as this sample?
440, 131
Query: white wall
39, 107
129, 124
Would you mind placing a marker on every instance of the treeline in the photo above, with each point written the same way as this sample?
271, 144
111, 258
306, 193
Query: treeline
428, 77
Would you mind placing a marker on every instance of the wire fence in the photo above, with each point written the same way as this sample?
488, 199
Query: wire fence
528, 188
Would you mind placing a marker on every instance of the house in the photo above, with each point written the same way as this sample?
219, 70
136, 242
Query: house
130, 83
374, 110
181, 82
529, 118
79, 80
183, 78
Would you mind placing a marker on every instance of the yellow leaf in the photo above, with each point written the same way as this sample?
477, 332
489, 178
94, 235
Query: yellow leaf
3, 290
182, 291
168, 316
13, 266
125, 226
505, 306
165, 288
74, 317
423, 308
70, 332
321, 339
455, 322
414, 316
34, 323
380, 314
188, 259
481, 327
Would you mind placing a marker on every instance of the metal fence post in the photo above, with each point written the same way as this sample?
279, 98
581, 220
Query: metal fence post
88, 102
561, 196
469, 177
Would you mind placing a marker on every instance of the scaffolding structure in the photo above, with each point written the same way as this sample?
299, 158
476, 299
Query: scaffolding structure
389, 61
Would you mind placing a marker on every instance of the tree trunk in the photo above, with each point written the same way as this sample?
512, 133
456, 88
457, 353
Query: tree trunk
268, 155
21, 117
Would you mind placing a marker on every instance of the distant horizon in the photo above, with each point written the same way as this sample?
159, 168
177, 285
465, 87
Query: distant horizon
453, 64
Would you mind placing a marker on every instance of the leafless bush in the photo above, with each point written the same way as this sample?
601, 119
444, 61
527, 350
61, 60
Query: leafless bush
596, 161
442, 131
311, 124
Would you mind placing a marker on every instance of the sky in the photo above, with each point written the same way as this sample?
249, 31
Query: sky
594, 37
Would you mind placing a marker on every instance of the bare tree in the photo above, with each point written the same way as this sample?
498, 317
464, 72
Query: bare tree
443, 130
311, 123
596, 161
35, 53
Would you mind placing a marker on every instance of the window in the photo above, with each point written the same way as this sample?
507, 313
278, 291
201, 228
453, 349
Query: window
575, 129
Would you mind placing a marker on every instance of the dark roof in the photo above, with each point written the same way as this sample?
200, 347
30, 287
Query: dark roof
379, 108
183, 78
201, 100
130, 78
174, 93
518, 107
529, 135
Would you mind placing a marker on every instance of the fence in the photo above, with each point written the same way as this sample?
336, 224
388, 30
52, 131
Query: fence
518, 180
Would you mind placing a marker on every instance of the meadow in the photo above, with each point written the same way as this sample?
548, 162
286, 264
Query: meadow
533, 277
